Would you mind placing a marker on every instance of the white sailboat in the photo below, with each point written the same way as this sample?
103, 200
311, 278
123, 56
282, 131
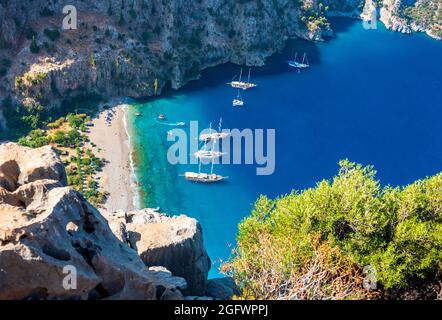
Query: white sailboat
238, 101
208, 154
242, 84
299, 65
213, 136
202, 176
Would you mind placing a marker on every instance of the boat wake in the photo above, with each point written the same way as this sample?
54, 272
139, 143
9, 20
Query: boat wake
171, 124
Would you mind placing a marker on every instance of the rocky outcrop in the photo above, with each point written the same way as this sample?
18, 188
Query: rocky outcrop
20, 166
49, 235
407, 16
392, 16
222, 288
173, 242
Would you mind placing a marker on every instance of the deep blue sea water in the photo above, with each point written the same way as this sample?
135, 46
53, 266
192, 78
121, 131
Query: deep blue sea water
372, 96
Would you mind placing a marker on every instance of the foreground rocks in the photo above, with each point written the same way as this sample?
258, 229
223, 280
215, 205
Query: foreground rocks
173, 242
46, 227
222, 288
55, 245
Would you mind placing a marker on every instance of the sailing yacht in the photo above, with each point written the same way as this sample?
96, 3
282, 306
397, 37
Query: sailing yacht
241, 84
214, 136
300, 65
208, 154
238, 101
202, 176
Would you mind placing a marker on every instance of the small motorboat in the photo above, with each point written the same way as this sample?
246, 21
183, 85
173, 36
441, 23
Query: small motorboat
238, 101
161, 117
138, 114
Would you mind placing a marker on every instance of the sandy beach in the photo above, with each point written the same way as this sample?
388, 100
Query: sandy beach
111, 138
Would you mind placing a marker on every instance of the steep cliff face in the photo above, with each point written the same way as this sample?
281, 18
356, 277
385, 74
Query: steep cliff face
124, 47
136, 47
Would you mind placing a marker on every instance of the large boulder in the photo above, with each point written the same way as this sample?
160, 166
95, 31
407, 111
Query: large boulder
20, 165
55, 245
222, 288
173, 242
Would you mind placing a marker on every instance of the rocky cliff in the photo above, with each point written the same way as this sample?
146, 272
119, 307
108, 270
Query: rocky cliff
48, 231
137, 47
407, 16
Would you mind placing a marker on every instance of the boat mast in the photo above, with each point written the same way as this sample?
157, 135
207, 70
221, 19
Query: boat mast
248, 80
211, 169
220, 123
213, 144
303, 58
240, 75
204, 149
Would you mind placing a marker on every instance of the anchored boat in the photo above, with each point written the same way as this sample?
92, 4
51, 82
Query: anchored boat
208, 154
242, 84
238, 101
202, 176
214, 136
299, 65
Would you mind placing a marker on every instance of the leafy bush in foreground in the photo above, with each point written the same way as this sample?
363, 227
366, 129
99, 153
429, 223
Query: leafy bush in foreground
315, 244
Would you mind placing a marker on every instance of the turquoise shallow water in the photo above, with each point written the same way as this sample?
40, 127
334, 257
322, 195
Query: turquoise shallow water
372, 96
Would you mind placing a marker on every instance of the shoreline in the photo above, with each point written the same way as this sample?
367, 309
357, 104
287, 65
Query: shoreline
110, 134
133, 175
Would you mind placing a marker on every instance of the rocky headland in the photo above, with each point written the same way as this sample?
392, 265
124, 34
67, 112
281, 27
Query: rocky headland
46, 227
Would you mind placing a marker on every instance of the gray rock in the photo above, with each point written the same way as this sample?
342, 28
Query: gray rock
222, 288
61, 231
173, 242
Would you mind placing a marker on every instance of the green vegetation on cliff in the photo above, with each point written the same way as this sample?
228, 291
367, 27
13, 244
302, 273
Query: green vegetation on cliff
33, 126
315, 244
428, 13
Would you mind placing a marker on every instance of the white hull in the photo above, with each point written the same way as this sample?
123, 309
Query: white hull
298, 65
242, 85
208, 154
238, 103
203, 177
213, 136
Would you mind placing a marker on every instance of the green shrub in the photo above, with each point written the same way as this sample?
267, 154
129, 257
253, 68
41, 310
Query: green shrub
36, 138
352, 220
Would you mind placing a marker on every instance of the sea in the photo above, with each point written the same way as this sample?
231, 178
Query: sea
371, 96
